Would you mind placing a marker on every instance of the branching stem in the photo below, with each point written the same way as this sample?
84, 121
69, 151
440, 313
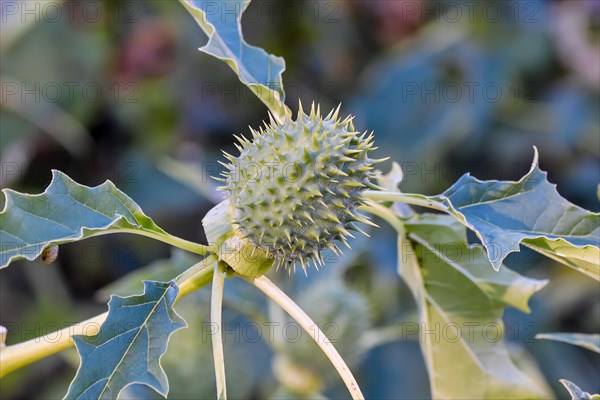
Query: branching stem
386, 214
407, 198
22, 354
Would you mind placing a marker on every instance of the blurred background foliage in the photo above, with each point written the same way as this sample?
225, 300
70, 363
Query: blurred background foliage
117, 90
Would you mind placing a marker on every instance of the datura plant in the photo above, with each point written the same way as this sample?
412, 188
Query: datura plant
301, 186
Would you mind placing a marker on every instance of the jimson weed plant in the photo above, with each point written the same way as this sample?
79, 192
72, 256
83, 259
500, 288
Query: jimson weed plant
300, 186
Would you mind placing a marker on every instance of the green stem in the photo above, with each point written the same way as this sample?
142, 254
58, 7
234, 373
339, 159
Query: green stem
216, 307
274, 293
22, 354
192, 247
177, 242
386, 214
195, 277
407, 198
19, 355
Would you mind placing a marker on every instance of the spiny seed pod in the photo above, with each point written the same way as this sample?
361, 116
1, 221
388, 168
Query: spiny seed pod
296, 186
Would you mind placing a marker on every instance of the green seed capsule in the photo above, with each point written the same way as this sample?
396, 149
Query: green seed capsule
296, 186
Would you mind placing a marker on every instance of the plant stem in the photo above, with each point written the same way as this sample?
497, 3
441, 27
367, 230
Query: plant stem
184, 244
216, 307
19, 355
195, 277
274, 293
386, 214
178, 242
407, 198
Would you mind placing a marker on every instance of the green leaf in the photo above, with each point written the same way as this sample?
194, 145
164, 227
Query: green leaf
505, 214
576, 393
461, 302
128, 348
48, 117
67, 212
587, 341
260, 71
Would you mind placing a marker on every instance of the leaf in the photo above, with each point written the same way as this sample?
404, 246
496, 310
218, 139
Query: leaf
128, 348
587, 341
190, 175
461, 302
576, 393
586, 260
504, 214
188, 362
47, 116
260, 71
67, 212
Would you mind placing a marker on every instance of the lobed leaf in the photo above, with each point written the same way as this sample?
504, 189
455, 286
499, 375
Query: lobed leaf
505, 214
260, 71
67, 212
587, 341
461, 302
128, 348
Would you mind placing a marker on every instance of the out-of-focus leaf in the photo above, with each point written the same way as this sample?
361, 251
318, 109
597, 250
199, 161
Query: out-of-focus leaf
587, 341
423, 87
47, 116
505, 214
342, 314
140, 177
461, 302
260, 71
14, 23
529, 365
191, 176
128, 348
576, 393
282, 393
67, 212
160, 270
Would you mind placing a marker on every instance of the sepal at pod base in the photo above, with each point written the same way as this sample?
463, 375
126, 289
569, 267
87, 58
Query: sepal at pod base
230, 245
